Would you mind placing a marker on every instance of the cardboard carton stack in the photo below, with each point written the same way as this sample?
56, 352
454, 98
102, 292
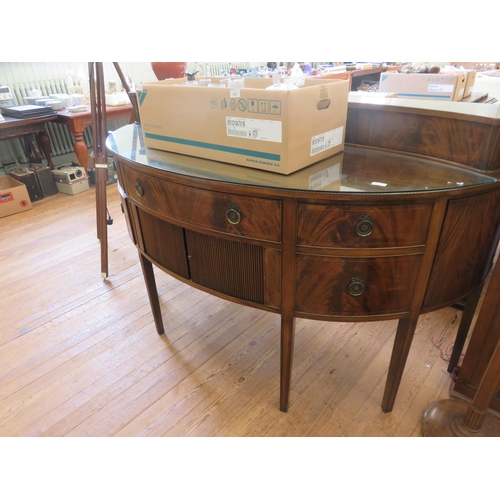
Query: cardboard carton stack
450, 84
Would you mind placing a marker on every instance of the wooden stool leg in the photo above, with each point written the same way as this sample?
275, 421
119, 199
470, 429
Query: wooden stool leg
287, 342
463, 328
402, 344
149, 278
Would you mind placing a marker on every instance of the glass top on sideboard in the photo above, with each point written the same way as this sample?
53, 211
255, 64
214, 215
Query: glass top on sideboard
356, 169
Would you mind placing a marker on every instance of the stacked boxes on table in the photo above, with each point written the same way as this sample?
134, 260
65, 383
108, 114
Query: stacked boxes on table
269, 129
438, 86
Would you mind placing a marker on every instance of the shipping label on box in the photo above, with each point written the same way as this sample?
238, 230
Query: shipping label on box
276, 130
446, 87
328, 140
257, 130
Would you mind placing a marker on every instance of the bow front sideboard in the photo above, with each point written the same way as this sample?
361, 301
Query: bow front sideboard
366, 235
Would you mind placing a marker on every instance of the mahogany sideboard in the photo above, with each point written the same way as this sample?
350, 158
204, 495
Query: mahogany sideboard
463, 133
366, 235
467, 134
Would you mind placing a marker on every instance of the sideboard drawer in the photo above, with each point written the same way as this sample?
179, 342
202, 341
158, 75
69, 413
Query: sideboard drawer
355, 287
250, 217
385, 226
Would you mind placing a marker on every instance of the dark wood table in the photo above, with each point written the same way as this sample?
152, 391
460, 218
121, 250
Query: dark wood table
78, 122
464, 133
32, 132
366, 235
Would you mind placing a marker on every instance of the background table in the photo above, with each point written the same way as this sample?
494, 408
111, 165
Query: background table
78, 122
32, 132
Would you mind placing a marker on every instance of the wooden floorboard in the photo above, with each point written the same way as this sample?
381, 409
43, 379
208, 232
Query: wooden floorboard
80, 356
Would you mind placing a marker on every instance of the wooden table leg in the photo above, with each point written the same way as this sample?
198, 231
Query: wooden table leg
149, 278
287, 341
44, 141
81, 150
402, 344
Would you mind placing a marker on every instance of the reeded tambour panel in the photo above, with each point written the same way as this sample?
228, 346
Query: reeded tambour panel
230, 267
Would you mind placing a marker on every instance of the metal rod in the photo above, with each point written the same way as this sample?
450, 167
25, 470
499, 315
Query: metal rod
131, 95
98, 113
122, 77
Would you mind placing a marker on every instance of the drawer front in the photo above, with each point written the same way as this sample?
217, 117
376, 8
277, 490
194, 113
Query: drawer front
232, 214
363, 226
355, 287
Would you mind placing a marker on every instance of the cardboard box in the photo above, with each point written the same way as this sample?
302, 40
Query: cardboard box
277, 130
444, 87
14, 197
469, 84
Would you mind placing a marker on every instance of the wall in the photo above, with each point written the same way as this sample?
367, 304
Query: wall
33, 71
11, 152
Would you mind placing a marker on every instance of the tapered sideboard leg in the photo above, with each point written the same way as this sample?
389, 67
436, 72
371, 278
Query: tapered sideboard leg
402, 344
149, 278
287, 341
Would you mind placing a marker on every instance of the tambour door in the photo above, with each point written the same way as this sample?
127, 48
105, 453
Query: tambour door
235, 268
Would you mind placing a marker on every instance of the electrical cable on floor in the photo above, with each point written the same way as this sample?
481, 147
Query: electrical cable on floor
445, 356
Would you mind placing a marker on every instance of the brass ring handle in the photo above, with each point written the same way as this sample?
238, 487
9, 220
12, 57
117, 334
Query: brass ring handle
364, 226
356, 286
139, 189
233, 214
